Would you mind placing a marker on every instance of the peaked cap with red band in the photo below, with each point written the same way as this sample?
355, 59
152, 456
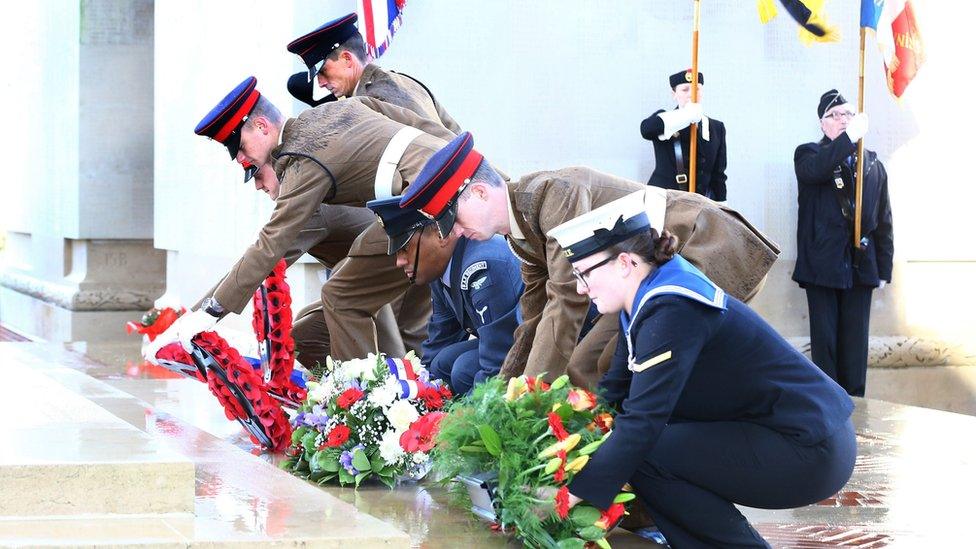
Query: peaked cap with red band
318, 44
223, 122
434, 193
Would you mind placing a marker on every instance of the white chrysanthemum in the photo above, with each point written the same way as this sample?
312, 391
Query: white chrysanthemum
390, 449
383, 395
419, 457
318, 392
401, 414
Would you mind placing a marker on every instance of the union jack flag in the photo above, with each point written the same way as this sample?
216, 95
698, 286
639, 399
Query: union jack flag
379, 21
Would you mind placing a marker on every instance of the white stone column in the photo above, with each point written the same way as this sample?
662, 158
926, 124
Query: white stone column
79, 259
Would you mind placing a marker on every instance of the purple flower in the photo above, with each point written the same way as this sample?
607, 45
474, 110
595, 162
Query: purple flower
317, 418
298, 420
354, 383
346, 460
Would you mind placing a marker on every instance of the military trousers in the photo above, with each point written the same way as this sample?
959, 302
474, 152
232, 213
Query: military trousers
839, 322
311, 334
697, 471
358, 289
457, 364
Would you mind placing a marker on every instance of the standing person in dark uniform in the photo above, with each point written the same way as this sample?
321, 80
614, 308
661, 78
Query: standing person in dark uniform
716, 408
475, 287
670, 133
838, 277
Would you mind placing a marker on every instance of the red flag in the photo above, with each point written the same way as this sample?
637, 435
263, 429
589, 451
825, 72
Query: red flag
900, 43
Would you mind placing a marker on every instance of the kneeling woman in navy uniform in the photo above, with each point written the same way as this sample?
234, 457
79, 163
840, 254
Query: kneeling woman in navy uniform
716, 408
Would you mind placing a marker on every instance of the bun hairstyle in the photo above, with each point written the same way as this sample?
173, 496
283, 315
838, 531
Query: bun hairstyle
654, 249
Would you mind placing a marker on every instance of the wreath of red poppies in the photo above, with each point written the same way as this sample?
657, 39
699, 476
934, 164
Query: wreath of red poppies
265, 399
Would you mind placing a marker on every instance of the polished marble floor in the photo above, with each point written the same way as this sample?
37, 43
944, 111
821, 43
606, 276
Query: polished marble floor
915, 473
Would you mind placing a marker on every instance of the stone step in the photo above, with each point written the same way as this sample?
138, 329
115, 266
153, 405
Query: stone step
236, 498
64, 455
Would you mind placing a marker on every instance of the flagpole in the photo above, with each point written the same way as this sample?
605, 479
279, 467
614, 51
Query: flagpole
693, 142
858, 187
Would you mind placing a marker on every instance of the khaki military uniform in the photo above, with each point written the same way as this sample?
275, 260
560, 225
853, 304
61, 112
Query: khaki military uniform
716, 239
403, 91
330, 155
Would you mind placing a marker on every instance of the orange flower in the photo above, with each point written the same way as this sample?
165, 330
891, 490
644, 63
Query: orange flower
581, 399
602, 421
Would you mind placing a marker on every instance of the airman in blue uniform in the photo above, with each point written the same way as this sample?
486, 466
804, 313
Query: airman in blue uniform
475, 288
716, 408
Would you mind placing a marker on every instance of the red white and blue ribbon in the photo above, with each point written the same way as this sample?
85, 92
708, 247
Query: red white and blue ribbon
405, 374
379, 21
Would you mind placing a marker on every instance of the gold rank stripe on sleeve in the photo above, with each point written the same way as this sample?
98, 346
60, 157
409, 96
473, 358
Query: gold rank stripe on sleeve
652, 362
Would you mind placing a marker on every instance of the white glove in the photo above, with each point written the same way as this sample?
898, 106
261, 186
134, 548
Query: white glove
857, 127
191, 324
150, 349
183, 330
881, 285
679, 119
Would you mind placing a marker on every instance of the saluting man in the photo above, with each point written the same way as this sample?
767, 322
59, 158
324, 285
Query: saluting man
475, 287
463, 187
670, 132
329, 154
338, 65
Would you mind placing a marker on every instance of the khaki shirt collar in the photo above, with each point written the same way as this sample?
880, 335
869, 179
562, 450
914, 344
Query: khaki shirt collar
514, 230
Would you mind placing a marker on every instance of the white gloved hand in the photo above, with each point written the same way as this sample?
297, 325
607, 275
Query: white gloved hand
881, 285
150, 349
191, 324
679, 119
857, 127
693, 112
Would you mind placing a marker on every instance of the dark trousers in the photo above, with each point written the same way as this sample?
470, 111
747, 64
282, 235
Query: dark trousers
839, 334
457, 364
697, 470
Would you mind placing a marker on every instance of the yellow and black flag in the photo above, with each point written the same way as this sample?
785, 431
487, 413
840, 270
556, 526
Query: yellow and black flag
808, 13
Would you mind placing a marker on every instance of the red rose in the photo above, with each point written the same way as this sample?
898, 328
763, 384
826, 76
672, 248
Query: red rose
556, 424
337, 437
419, 437
562, 502
349, 397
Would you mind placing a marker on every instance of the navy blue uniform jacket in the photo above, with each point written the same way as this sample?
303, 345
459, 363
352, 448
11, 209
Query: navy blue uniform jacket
482, 300
697, 362
711, 157
824, 236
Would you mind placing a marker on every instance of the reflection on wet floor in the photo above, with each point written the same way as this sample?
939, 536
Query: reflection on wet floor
913, 477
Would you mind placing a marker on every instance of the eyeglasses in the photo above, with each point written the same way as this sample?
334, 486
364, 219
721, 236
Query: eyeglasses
581, 275
839, 115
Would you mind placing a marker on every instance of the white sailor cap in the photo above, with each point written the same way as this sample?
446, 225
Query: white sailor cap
602, 227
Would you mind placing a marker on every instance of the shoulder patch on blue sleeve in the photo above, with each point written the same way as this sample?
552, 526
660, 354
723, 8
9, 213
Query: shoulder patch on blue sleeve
472, 269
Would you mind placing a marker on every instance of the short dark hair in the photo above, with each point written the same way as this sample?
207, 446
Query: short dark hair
654, 249
266, 108
353, 45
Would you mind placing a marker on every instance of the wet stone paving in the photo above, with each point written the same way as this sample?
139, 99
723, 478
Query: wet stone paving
912, 485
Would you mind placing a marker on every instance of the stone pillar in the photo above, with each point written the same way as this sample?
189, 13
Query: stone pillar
80, 258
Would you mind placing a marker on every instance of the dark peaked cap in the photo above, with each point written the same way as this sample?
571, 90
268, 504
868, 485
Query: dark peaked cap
223, 122
318, 44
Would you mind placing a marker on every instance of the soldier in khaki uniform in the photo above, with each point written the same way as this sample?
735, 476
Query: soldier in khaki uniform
337, 64
330, 154
464, 189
